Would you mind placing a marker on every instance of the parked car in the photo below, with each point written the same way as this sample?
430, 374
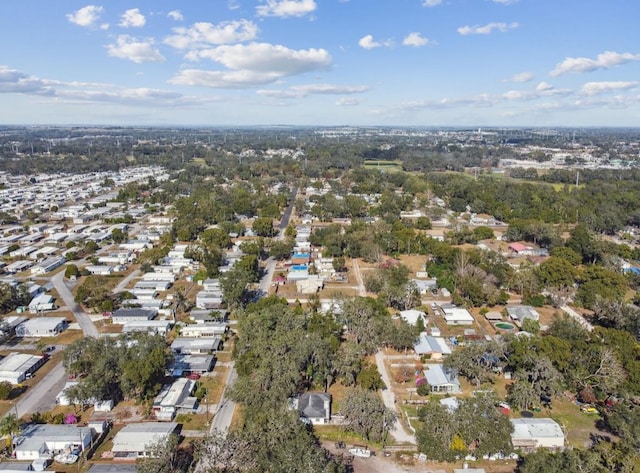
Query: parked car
195, 376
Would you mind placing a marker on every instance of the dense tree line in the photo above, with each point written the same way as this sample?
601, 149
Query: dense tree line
116, 368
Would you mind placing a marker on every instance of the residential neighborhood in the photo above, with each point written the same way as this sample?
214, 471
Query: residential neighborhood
416, 314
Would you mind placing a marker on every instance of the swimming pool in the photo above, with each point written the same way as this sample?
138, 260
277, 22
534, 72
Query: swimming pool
505, 326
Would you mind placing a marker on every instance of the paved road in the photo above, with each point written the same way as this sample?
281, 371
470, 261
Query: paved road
122, 285
41, 397
224, 414
86, 324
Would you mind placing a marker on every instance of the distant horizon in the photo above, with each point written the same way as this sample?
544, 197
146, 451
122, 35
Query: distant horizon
237, 63
475, 128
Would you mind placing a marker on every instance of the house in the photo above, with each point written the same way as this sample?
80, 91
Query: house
441, 380
152, 326
175, 398
201, 316
42, 327
184, 363
411, 316
532, 433
519, 313
45, 441
100, 269
62, 398
16, 367
8, 324
436, 347
134, 440
15, 467
40, 303
457, 315
425, 286
204, 330
208, 300
196, 346
314, 408
48, 265
123, 316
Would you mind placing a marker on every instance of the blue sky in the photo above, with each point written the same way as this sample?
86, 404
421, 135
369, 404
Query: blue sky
321, 62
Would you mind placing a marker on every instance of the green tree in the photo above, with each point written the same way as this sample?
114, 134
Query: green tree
281, 249
71, 271
365, 414
166, 456
5, 390
118, 236
10, 426
369, 378
263, 226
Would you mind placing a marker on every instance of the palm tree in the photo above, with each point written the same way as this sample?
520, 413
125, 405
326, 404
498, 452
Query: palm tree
9, 426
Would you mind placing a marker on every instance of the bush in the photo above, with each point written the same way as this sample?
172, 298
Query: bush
5, 390
423, 390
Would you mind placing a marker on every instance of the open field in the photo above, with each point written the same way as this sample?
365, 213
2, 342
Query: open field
384, 166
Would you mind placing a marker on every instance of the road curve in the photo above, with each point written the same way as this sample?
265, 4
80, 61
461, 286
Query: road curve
85, 322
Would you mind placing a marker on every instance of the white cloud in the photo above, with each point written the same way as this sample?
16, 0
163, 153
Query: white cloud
286, 8
14, 81
86, 16
252, 64
132, 19
605, 60
205, 34
299, 91
175, 15
233, 5
505, 2
135, 50
347, 102
431, 3
367, 42
487, 29
521, 77
415, 39
543, 87
596, 88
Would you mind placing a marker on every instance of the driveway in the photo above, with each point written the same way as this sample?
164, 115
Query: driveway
398, 431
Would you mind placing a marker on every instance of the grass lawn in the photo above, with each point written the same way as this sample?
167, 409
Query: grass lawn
384, 166
577, 424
